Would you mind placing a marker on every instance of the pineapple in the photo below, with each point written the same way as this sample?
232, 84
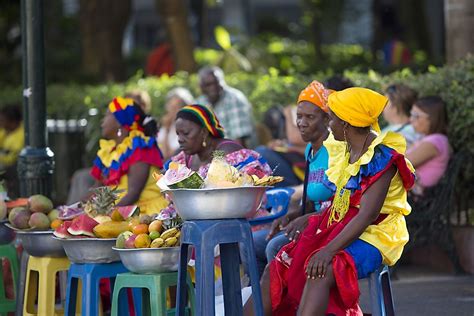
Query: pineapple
220, 172
102, 201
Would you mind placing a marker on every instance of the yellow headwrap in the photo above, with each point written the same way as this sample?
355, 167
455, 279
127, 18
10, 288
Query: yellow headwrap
359, 107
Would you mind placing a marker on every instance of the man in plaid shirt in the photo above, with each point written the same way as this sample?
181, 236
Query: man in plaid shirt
229, 104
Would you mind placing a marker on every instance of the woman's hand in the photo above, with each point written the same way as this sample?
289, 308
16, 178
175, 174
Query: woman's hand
296, 227
318, 264
277, 225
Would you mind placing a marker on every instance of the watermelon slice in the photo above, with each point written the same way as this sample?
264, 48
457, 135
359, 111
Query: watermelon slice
193, 181
128, 211
17, 203
83, 225
61, 231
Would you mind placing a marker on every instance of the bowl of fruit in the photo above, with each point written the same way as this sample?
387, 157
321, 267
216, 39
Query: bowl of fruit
152, 248
33, 221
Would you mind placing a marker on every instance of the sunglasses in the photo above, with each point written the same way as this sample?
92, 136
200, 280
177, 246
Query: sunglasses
416, 116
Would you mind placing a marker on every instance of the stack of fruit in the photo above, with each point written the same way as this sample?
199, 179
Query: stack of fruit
154, 235
100, 218
34, 213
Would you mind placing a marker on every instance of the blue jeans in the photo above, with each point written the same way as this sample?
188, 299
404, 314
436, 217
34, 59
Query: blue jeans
266, 250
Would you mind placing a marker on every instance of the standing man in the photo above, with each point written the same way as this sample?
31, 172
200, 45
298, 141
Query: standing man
229, 104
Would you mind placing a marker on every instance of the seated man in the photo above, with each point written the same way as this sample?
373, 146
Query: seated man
229, 104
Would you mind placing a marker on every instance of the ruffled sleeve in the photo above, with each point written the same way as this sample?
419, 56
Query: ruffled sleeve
113, 161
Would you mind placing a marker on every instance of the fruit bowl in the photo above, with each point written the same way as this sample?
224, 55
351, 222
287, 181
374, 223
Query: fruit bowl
89, 250
150, 260
6, 233
237, 202
39, 243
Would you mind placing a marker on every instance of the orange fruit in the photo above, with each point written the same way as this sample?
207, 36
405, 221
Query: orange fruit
56, 223
140, 229
155, 226
142, 241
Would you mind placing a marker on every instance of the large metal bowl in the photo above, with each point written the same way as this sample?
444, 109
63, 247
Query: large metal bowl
39, 243
89, 250
6, 233
150, 260
239, 202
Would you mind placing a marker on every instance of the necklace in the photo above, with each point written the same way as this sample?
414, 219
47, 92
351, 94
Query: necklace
362, 148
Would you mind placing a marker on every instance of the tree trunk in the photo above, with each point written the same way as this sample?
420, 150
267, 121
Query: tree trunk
459, 23
174, 16
102, 24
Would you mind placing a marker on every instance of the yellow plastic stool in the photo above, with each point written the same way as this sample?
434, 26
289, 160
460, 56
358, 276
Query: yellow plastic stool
41, 284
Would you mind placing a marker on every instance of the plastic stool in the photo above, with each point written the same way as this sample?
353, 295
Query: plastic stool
90, 274
380, 290
204, 235
157, 284
41, 283
8, 252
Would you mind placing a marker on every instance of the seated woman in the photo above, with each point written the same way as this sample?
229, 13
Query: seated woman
200, 134
129, 155
364, 227
430, 155
12, 141
176, 99
312, 122
397, 112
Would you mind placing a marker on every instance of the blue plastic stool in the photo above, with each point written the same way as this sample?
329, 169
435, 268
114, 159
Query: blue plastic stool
380, 289
278, 201
90, 274
204, 235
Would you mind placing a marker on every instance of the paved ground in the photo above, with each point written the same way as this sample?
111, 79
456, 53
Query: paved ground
419, 291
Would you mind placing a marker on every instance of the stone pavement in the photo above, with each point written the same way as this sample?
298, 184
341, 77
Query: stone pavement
418, 290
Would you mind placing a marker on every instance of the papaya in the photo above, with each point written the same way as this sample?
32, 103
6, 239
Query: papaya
111, 229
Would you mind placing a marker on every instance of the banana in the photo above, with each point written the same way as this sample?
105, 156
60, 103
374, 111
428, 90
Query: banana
171, 241
157, 243
169, 233
178, 234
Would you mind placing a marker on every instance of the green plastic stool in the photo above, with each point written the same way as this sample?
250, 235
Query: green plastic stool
8, 252
158, 285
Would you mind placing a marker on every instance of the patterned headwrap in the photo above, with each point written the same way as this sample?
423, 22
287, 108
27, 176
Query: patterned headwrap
126, 113
316, 94
204, 117
359, 107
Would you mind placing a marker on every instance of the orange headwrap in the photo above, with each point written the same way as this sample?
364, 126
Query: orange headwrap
317, 94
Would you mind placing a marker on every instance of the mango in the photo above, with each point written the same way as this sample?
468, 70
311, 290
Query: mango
40, 203
122, 238
142, 241
130, 242
39, 221
154, 235
53, 215
14, 212
21, 218
155, 226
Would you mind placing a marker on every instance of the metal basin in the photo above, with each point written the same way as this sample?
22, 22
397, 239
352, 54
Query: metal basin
6, 233
89, 250
39, 243
150, 260
240, 202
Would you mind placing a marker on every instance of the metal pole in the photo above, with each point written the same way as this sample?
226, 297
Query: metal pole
36, 160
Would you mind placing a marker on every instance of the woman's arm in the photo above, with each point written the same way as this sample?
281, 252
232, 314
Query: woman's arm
370, 206
422, 153
137, 178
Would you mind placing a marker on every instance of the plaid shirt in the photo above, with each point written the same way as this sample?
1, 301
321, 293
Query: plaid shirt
234, 112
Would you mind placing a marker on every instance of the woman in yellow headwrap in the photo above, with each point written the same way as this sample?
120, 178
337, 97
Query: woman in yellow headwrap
364, 227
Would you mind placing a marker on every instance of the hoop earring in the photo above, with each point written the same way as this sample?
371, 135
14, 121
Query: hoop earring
119, 132
204, 144
345, 139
